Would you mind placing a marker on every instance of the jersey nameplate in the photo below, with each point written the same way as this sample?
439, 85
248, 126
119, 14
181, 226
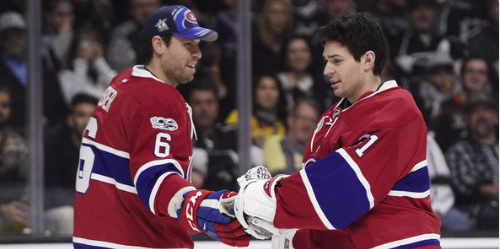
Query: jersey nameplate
109, 95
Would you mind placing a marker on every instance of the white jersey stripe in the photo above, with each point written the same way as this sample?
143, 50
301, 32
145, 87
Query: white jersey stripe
416, 195
124, 187
419, 166
314, 200
407, 241
154, 191
108, 149
360, 176
110, 244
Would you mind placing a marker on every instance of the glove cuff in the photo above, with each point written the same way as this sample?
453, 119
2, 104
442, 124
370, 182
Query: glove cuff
192, 201
269, 186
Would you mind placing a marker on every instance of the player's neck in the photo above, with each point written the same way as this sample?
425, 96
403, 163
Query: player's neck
373, 83
159, 73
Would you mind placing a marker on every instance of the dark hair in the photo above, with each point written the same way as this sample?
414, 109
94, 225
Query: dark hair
83, 98
51, 5
203, 84
415, 4
7, 91
359, 32
307, 101
147, 49
467, 60
281, 107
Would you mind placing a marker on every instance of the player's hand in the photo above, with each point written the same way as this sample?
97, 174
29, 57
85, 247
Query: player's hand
210, 212
255, 205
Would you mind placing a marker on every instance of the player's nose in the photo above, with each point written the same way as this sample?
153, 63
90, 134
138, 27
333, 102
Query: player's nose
328, 70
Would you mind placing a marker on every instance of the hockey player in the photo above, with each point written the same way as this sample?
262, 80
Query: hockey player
364, 182
134, 185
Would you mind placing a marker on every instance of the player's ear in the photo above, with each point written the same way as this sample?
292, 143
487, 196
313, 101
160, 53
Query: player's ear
368, 60
158, 44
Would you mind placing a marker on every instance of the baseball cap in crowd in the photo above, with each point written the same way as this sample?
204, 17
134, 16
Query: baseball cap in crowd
480, 98
11, 20
176, 20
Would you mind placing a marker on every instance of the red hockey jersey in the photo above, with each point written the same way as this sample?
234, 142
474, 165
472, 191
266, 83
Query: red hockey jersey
135, 164
365, 183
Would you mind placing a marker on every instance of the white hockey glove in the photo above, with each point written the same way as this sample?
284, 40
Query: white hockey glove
284, 239
255, 205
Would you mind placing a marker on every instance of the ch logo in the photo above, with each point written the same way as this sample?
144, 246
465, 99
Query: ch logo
190, 17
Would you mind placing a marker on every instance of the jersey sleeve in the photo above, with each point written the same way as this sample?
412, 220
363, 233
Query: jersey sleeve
336, 190
160, 153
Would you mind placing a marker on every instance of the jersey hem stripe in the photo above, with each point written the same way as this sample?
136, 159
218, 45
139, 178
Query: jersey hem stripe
100, 244
360, 176
124, 187
409, 240
314, 200
108, 149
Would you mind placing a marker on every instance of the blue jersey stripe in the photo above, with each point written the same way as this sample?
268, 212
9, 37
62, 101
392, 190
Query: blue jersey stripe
148, 178
417, 181
84, 246
120, 170
349, 201
427, 242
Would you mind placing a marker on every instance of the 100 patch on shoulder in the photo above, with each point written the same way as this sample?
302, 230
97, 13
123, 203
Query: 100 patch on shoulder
168, 124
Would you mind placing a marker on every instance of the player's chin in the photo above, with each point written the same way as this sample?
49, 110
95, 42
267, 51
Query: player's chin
187, 79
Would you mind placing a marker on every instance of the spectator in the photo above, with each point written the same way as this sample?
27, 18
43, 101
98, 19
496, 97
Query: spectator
89, 72
215, 158
284, 154
273, 27
450, 126
475, 163
412, 49
268, 110
297, 81
94, 14
337, 8
13, 5
309, 15
225, 23
391, 15
13, 68
442, 195
62, 145
431, 89
14, 156
58, 31
125, 44
486, 44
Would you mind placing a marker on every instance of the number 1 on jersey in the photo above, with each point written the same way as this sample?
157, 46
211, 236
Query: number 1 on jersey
360, 151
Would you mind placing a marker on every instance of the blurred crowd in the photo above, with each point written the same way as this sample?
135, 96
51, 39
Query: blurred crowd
446, 53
